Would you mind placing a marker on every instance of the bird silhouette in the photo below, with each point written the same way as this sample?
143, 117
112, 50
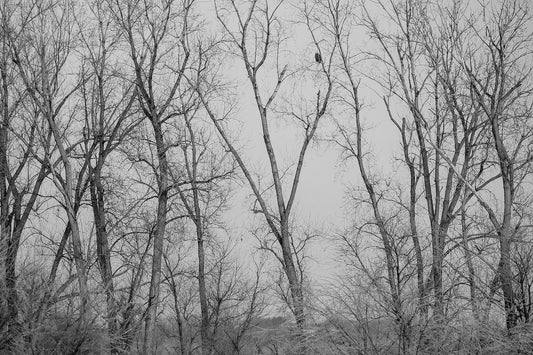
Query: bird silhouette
318, 58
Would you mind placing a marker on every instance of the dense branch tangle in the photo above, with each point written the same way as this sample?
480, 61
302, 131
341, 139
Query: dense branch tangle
120, 150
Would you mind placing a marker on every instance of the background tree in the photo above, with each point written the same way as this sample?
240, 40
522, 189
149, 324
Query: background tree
206, 171
24, 144
107, 101
502, 87
41, 49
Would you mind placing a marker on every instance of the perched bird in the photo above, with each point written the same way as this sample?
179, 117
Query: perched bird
318, 58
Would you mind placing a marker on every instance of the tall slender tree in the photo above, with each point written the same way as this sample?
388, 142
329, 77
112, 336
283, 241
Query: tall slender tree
157, 35
259, 20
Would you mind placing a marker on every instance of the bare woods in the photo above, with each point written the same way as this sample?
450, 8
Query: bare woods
132, 131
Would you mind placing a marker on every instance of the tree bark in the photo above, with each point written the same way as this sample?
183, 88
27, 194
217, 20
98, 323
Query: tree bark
159, 235
103, 252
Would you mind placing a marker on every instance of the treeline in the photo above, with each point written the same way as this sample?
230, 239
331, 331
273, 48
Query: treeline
121, 147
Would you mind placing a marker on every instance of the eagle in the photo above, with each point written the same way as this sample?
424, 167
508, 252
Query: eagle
318, 58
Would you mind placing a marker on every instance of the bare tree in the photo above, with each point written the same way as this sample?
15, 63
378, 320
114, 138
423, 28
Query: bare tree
154, 31
423, 72
41, 51
183, 298
259, 20
498, 70
234, 296
339, 16
203, 195
107, 103
23, 142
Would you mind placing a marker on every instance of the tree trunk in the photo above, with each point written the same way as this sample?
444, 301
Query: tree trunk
438, 243
295, 288
506, 277
159, 234
5, 226
7, 273
204, 331
103, 253
505, 232
422, 302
